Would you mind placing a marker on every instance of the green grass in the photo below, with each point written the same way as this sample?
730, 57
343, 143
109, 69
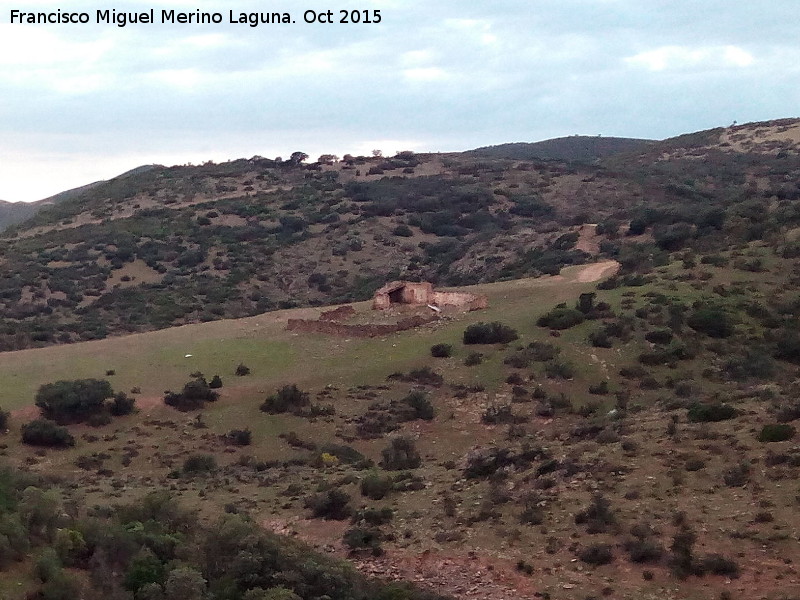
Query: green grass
157, 361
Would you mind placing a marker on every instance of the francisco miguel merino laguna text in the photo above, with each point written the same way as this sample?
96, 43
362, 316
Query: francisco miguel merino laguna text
197, 17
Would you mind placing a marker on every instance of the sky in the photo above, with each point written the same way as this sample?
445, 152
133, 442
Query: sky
84, 102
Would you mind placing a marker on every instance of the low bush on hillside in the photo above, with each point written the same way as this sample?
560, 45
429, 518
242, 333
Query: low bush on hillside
778, 432
333, 505
215, 383
473, 358
121, 404
597, 554
710, 413
376, 486
714, 321
239, 437
194, 395
43, 432
198, 464
242, 370
561, 317
418, 405
5, 416
489, 333
364, 538
401, 454
287, 399
441, 350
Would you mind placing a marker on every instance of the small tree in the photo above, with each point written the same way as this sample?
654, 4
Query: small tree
73, 401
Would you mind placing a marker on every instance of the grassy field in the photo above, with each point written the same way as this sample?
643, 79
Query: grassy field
158, 361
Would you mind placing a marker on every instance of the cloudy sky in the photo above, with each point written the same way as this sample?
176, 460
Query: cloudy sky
80, 103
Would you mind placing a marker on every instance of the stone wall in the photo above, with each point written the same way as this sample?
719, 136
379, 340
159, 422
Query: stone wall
460, 300
346, 330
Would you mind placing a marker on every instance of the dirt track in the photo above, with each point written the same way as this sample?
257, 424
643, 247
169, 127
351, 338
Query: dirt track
597, 271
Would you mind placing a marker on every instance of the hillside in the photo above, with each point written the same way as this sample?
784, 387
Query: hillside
164, 246
12, 213
564, 463
576, 148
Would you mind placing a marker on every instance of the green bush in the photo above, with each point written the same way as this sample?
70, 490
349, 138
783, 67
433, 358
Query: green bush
331, 505
199, 464
597, 554
42, 432
401, 454
239, 437
779, 432
473, 359
73, 401
287, 399
710, 413
561, 317
193, 396
441, 350
215, 382
375, 486
242, 370
122, 404
4, 418
419, 406
714, 321
364, 538
489, 333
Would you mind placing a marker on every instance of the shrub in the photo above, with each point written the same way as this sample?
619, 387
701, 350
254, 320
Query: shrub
737, 475
659, 336
363, 538
600, 339
419, 405
239, 437
598, 516
197, 464
194, 395
99, 419
717, 564
42, 432
215, 382
473, 359
402, 231
561, 317
714, 321
287, 399
333, 505
557, 369
242, 370
441, 350
779, 432
375, 486
401, 454
489, 333
597, 554
644, 550
498, 414
424, 376
121, 404
4, 418
72, 401
710, 413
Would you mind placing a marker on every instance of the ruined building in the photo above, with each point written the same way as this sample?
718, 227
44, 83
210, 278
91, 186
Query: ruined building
422, 294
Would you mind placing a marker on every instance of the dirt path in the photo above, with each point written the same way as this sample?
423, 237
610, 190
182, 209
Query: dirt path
597, 271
